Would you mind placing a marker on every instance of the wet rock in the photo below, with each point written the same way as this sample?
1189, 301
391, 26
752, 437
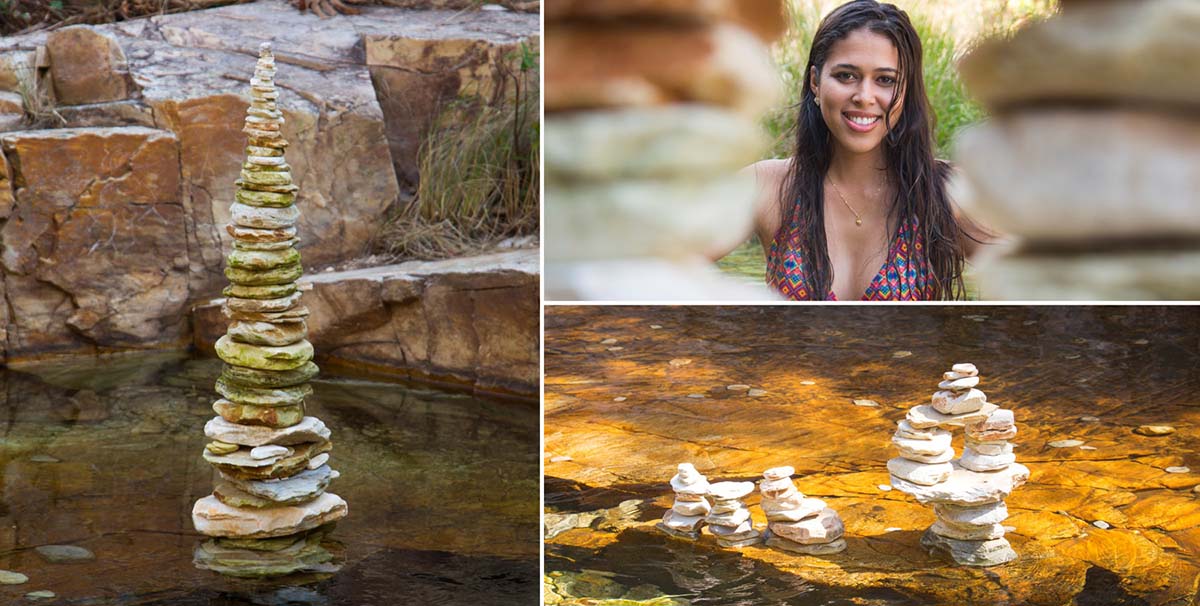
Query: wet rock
41, 458
43, 594
1154, 430
1101, 524
267, 416
214, 518
866, 403
824, 527
755, 393
971, 553
1065, 443
298, 488
299, 554
309, 429
63, 554
8, 577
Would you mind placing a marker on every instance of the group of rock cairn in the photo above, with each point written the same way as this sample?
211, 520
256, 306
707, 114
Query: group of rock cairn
967, 494
652, 108
269, 502
1092, 156
794, 522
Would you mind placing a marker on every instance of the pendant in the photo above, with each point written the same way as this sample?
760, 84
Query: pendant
858, 222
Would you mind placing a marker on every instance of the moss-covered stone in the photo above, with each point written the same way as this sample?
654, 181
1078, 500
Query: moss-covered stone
276, 333
269, 379
266, 177
278, 275
252, 150
252, 234
267, 416
219, 448
260, 260
264, 357
283, 189
263, 305
279, 396
294, 314
264, 198
269, 291
276, 168
289, 555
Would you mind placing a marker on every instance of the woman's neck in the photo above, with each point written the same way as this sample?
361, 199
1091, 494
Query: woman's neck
865, 174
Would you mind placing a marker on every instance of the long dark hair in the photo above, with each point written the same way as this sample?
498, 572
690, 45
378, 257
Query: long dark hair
908, 149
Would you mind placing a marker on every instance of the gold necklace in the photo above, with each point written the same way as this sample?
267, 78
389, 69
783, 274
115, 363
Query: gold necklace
857, 217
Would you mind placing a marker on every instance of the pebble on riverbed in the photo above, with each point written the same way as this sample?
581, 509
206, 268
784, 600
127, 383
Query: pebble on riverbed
62, 554
1065, 443
1090, 419
1154, 430
867, 403
40, 595
1101, 524
1178, 469
8, 577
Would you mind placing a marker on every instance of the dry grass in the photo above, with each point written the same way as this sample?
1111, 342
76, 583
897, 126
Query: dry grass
479, 172
23, 16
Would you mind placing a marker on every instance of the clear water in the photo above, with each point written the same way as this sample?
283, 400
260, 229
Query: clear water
105, 454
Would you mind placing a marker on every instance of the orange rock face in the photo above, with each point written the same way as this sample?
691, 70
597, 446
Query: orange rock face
93, 250
86, 66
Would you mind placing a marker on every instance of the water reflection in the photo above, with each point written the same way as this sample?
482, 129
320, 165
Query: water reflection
104, 454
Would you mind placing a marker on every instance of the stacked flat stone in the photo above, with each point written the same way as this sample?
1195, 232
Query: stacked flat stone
687, 513
729, 521
271, 459
1091, 161
652, 108
797, 523
967, 494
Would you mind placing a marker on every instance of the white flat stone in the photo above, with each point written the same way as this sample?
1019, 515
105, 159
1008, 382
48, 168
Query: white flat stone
732, 531
944, 457
1000, 419
777, 489
734, 518
214, 518
990, 448
689, 480
962, 384
957, 403
696, 508
905, 429
971, 553
822, 528
966, 487
990, 513
270, 451
309, 429
925, 474
318, 460
938, 444
965, 368
306, 484
779, 473
242, 458
730, 490
806, 508
674, 521
925, 416
980, 462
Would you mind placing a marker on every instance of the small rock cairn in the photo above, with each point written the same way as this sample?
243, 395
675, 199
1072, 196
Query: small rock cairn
272, 461
687, 513
652, 109
797, 523
729, 519
1091, 158
968, 493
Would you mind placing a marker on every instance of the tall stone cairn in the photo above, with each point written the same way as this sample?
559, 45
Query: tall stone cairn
1090, 161
271, 459
967, 493
652, 108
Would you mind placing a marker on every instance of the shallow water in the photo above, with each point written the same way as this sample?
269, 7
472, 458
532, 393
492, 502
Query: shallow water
619, 420
105, 454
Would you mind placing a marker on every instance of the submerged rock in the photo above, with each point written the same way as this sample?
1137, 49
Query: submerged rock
8, 577
61, 554
214, 518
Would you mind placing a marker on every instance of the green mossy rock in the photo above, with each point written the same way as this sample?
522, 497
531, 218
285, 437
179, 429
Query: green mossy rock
274, 334
265, 416
270, 291
247, 166
252, 150
262, 260
287, 555
264, 198
263, 305
281, 396
279, 275
269, 379
264, 357
283, 189
239, 245
266, 177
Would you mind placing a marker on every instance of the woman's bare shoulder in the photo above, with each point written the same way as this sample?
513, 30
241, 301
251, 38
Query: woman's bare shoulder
769, 172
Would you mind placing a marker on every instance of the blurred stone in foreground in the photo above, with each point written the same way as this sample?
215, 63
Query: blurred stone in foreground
651, 110
1090, 161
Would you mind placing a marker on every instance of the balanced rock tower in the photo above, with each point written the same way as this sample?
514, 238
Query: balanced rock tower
967, 493
795, 522
652, 108
729, 519
271, 459
687, 513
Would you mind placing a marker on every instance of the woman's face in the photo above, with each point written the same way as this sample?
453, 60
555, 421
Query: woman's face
854, 88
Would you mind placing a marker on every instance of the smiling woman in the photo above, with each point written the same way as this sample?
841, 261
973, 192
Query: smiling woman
884, 228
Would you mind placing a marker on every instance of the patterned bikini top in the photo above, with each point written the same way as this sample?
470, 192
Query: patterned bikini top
905, 275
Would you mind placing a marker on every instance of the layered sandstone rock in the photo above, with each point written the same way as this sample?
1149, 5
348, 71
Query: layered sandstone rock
1090, 159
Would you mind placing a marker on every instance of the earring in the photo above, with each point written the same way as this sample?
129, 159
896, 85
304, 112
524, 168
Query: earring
817, 101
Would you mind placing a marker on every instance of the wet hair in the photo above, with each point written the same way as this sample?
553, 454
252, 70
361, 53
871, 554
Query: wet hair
919, 178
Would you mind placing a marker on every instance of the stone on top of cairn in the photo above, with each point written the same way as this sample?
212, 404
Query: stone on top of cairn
652, 109
271, 458
968, 493
729, 519
794, 522
687, 513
